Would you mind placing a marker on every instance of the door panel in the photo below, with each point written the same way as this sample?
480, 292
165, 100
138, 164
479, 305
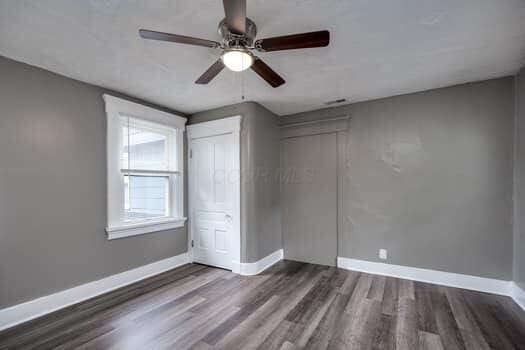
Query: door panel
309, 198
211, 212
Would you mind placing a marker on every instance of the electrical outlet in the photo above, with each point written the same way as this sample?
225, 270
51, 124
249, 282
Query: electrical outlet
383, 254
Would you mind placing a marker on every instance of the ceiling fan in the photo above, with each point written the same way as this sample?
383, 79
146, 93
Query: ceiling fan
238, 41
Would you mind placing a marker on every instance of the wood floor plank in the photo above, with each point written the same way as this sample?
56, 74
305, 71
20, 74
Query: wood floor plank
385, 336
323, 333
312, 301
429, 341
425, 312
291, 305
288, 346
134, 333
280, 335
235, 292
303, 319
250, 300
350, 283
359, 293
377, 288
309, 327
235, 339
406, 289
489, 326
470, 331
358, 327
446, 323
258, 332
201, 346
406, 324
194, 330
390, 297
512, 329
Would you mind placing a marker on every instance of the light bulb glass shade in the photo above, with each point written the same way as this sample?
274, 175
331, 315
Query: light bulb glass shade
237, 60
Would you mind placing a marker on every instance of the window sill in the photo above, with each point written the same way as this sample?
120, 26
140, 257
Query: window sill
117, 232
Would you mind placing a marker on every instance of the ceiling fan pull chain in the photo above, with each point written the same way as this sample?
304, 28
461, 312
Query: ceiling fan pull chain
242, 84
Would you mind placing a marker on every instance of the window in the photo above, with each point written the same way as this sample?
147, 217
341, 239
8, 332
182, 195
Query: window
145, 170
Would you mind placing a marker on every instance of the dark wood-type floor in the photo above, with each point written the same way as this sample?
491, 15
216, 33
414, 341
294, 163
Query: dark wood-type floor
289, 306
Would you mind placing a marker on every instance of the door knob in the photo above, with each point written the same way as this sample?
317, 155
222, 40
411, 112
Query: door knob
228, 217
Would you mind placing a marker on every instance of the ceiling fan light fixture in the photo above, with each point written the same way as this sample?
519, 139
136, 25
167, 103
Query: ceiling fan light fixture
238, 34
237, 60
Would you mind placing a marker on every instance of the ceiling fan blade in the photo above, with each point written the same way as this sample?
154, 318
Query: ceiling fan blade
267, 73
211, 72
294, 41
235, 11
181, 39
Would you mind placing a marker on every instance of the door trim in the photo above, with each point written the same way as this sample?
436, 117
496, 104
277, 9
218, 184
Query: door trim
339, 126
224, 126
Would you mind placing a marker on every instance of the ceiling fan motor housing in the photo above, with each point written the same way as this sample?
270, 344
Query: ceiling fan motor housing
232, 40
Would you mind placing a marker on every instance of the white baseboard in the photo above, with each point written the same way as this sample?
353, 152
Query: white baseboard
236, 267
450, 279
249, 269
518, 295
29, 310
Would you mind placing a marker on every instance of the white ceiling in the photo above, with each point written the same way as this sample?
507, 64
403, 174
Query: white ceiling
378, 48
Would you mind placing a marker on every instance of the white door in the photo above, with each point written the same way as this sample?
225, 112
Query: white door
214, 187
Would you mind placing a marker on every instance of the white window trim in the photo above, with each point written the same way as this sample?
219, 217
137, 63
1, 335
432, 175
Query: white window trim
116, 108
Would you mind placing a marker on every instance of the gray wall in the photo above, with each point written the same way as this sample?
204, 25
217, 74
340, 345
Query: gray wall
519, 197
430, 178
260, 198
53, 189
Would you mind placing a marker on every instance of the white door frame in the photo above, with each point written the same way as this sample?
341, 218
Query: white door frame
231, 125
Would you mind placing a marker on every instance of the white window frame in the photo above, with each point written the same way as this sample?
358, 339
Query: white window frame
118, 110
